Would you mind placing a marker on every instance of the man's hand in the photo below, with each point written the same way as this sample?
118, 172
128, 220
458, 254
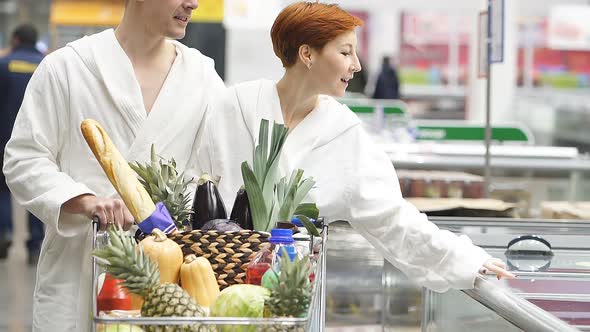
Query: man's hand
107, 210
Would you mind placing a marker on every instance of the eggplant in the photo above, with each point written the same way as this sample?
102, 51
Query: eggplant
240, 212
221, 225
139, 235
287, 225
207, 204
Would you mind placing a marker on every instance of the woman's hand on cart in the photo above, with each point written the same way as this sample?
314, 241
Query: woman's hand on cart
498, 267
108, 211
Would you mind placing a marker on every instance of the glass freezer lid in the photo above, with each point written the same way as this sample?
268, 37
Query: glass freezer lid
562, 261
558, 283
499, 232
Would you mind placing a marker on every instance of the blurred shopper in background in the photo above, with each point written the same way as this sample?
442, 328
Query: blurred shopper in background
16, 69
145, 88
387, 85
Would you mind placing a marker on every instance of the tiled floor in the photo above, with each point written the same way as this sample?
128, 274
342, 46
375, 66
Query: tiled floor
17, 280
16, 294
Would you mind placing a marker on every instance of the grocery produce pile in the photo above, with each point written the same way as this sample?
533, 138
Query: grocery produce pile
170, 287
165, 282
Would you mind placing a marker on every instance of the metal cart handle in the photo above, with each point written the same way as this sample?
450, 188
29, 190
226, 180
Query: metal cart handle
95, 237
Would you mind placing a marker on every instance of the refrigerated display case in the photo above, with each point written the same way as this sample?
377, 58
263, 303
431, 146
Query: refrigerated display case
522, 174
487, 308
552, 263
364, 291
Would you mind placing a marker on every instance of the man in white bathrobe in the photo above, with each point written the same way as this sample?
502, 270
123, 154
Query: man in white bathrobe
355, 180
143, 88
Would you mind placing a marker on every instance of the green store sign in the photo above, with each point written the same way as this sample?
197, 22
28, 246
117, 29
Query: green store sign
448, 132
469, 133
371, 109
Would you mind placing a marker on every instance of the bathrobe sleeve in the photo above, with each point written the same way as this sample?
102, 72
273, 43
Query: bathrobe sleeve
200, 160
31, 160
405, 237
226, 143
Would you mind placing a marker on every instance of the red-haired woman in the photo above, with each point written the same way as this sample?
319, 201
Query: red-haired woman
355, 180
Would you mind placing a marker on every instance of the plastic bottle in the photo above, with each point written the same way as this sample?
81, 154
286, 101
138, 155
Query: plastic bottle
297, 222
270, 257
302, 239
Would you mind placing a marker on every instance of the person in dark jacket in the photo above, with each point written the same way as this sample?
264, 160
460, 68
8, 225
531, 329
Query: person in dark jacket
16, 69
387, 86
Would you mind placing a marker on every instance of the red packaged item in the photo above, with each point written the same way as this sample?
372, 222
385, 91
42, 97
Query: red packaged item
113, 295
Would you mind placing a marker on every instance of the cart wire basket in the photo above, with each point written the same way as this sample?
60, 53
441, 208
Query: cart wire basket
314, 321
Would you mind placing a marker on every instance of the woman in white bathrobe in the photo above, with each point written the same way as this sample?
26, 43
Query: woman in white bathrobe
143, 88
355, 180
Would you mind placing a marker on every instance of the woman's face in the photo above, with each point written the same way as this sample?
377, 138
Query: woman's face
168, 17
334, 65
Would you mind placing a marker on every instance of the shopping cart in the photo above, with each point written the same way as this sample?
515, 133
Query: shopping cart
313, 322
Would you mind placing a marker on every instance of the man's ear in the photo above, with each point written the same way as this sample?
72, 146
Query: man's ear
305, 55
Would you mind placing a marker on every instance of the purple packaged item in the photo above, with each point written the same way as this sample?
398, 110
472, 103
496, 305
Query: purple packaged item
160, 219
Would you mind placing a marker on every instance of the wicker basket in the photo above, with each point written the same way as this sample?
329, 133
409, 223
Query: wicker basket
228, 252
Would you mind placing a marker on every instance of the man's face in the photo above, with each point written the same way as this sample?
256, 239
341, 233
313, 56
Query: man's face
168, 17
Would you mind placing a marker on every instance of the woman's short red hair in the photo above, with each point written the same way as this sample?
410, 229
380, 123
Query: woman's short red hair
308, 23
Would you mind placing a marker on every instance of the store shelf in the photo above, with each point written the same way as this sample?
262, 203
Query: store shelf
432, 92
527, 164
552, 95
456, 156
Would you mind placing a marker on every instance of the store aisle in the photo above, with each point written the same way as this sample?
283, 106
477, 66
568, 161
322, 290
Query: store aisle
16, 294
17, 280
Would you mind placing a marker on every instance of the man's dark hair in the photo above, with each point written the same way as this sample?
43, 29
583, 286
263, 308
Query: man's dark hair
26, 34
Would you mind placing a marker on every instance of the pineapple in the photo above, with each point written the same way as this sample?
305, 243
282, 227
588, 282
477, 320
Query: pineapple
164, 184
141, 276
291, 289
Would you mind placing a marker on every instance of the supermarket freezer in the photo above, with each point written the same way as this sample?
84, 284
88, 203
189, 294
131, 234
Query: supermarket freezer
551, 259
364, 290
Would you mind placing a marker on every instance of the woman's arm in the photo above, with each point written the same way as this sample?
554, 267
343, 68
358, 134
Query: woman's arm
435, 258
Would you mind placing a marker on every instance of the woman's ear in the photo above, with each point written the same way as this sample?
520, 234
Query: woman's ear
305, 55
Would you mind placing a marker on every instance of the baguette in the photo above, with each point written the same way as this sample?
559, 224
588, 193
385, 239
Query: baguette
122, 177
